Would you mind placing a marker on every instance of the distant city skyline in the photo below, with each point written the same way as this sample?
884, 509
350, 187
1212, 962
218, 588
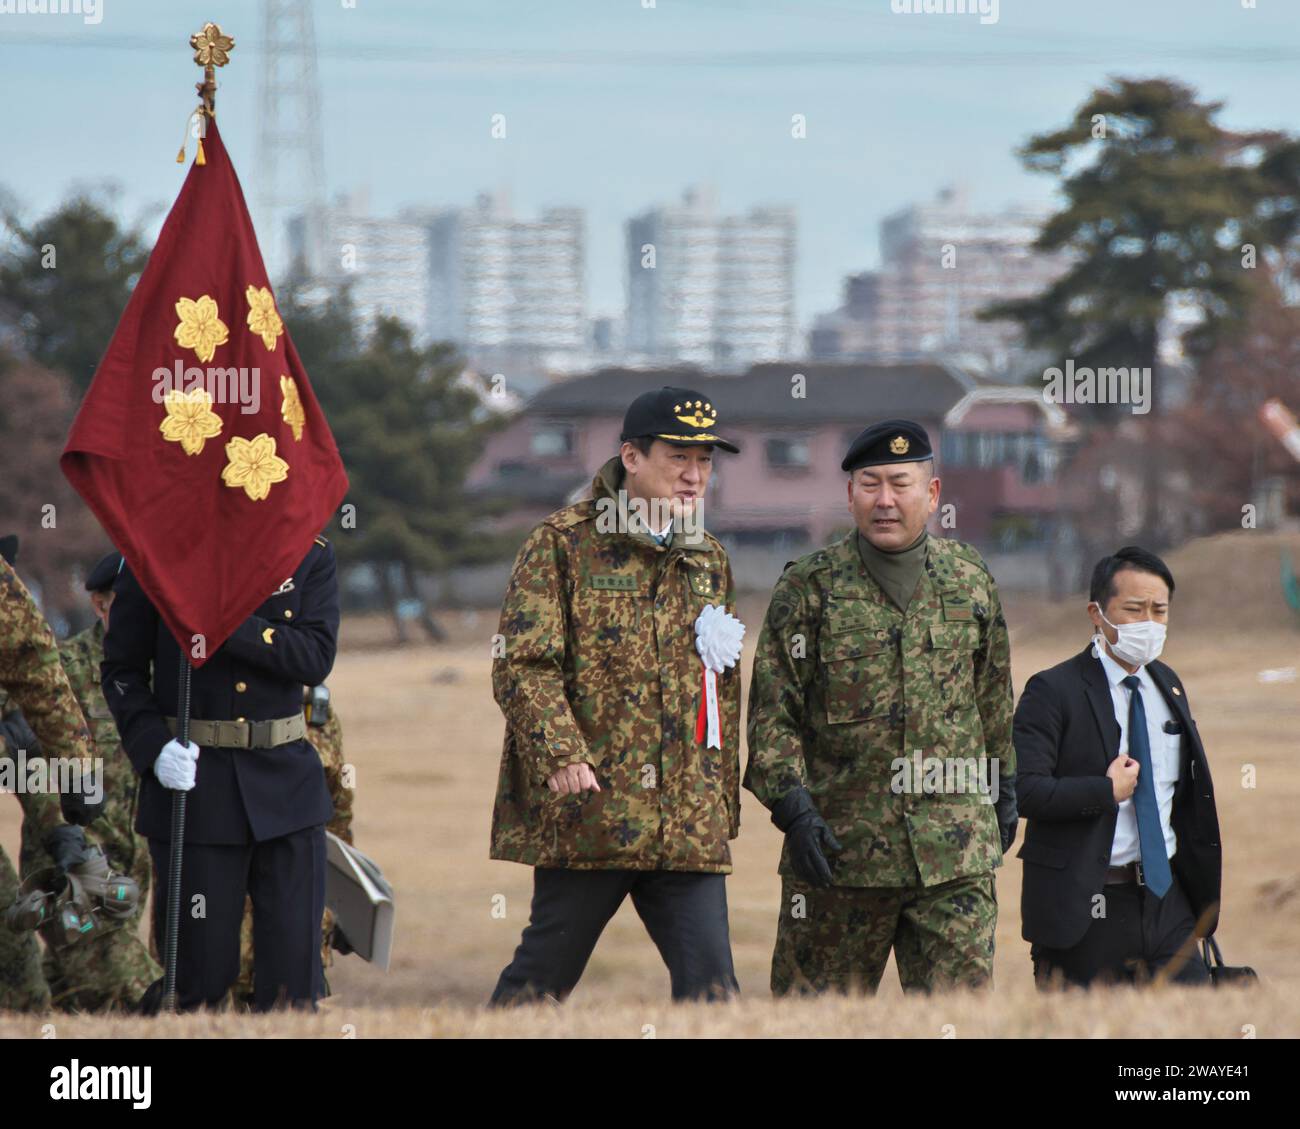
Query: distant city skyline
616, 108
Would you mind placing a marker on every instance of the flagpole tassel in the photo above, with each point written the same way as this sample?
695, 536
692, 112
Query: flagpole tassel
180, 153
200, 159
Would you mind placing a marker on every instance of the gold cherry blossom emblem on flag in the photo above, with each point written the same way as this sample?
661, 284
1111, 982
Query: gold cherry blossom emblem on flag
200, 328
262, 317
291, 406
190, 421
254, 465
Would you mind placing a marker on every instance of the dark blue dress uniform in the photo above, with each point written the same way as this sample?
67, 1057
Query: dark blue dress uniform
255, 817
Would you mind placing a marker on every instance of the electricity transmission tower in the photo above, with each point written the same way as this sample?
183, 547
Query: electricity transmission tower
290, 161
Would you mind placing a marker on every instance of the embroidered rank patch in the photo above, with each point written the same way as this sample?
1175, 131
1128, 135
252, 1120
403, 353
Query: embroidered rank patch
615, 583
702, 583
953, 610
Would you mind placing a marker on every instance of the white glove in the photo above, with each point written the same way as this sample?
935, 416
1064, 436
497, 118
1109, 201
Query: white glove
176, 765
717, 637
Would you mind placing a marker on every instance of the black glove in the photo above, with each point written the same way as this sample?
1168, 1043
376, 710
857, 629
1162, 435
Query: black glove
151, 1002
807, 837
17, 734
67, 847
78, 809
339, 943
1008, 815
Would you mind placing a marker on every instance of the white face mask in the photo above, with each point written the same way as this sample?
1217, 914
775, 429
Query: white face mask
1138, 643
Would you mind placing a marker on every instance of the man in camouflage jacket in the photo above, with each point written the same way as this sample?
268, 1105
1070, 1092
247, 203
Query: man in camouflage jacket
112, 970
33, 678
604, 787
880, 737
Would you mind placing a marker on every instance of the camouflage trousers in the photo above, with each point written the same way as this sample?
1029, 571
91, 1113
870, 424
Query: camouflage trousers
22, 984
109, 973
839, 939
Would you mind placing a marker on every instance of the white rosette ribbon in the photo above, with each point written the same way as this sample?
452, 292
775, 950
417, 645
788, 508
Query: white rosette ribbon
718, 636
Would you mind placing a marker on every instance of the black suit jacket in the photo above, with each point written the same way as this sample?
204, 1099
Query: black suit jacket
240, 794
1066, 735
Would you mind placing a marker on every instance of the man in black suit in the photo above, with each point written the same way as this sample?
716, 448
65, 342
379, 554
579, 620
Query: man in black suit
257, 801
1121, 853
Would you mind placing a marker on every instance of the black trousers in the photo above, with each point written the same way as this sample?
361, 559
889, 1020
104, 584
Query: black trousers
285, 878
685, 915
1139, 936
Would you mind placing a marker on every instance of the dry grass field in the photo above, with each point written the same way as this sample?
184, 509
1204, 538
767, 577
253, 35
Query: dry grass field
424, 734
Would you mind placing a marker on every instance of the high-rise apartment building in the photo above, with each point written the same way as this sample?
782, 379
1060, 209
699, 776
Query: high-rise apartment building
710, 289
941, 264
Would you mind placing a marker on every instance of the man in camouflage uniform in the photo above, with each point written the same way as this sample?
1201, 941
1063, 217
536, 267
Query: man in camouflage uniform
326, 738
113, 970
33, 678
604, 788
879, 728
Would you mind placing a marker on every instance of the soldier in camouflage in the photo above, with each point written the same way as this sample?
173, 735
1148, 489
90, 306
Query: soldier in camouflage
33, 678
880, 738
607, 785
113, 970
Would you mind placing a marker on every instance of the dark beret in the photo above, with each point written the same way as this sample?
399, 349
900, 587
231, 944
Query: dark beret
893, 441
103, 574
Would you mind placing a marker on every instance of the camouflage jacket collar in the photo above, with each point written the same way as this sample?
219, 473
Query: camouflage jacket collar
607, 489
89, 641
851, 580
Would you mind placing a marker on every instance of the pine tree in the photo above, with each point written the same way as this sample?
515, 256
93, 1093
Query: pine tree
1163, 205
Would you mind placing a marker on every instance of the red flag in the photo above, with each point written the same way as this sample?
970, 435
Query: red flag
200, 445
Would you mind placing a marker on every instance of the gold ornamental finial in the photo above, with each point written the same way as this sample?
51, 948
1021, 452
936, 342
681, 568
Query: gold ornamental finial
212, 49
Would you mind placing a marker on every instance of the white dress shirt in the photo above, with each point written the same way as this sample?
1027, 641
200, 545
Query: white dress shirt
1166, 750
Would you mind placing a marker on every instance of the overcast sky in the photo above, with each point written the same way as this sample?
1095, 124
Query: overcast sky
614, 106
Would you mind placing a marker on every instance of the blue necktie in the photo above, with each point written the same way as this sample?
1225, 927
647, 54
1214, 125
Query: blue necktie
1151, 836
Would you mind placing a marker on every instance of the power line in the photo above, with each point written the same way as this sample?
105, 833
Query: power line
1107, 54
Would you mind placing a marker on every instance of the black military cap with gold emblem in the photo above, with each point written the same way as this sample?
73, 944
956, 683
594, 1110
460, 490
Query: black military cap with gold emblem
893, 441
676, 415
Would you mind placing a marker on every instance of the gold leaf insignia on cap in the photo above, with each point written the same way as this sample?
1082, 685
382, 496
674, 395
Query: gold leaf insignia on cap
899, 445
699, 414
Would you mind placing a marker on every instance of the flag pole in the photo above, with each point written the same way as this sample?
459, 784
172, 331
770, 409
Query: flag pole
177, 849
211, 50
